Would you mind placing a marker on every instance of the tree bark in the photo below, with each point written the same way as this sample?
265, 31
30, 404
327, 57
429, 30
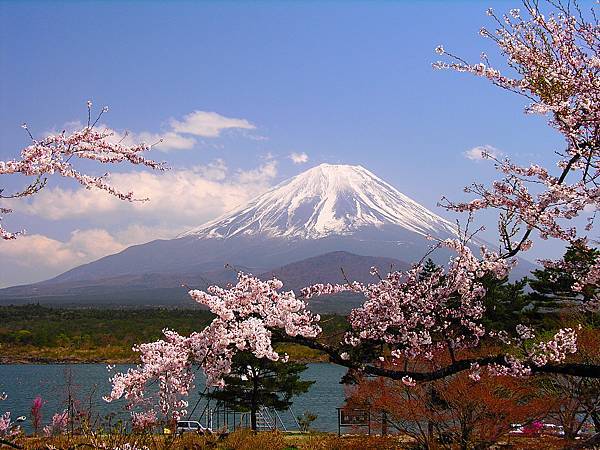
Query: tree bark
254, 403
574, 369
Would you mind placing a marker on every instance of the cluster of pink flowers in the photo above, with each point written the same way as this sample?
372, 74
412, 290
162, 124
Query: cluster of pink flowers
36, 412
534, 427
55, 155
555, 58
590, 278
544, 210
319, 289
144, 420
408, 381
556, 349
475, 372
167, 362
59, 423
246, 314
538, 354
8, 429
416, 315
5, 234
512, 366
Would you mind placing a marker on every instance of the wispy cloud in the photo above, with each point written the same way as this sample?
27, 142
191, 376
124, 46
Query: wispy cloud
27, 259
190, 196
298, 158
179, 134
266, 171
208, 124
482, 152
161, 141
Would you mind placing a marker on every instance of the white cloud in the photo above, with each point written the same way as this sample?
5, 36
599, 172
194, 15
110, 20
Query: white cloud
298, 158
180, 135
266, 171
180, 200
208, 124
160, 141
166, 141
215, 171
185, 196
479, 153
36, 257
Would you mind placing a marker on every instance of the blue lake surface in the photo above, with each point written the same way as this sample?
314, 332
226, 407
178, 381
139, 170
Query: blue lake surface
22, 383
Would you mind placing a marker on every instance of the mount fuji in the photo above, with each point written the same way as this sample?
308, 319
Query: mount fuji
338, 213
327, 200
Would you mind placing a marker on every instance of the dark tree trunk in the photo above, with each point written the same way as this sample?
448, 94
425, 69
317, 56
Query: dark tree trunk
384, 423
254, 403
253, 417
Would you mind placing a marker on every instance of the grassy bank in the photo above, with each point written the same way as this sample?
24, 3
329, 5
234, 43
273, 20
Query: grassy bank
246, 440
39, 334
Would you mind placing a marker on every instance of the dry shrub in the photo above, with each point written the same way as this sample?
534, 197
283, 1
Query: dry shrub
247, 440
453, 412
328, 442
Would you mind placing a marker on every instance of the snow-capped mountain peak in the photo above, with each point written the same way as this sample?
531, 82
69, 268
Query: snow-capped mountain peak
325, 200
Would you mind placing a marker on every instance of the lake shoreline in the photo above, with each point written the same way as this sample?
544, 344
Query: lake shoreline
43, 360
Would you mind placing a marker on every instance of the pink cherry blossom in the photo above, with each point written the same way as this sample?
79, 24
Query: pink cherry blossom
56, 154
8, 429
144, 420
58, 424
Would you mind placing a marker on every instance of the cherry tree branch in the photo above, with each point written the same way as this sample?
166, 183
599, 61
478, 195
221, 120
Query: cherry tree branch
334, 354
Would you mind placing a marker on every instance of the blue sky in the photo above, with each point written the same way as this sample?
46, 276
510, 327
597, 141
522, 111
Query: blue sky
343, 82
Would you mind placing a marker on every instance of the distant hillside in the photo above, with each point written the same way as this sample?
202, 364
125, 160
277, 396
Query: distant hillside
170, 290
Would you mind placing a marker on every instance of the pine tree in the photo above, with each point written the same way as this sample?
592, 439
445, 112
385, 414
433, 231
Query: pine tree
428, 268
506, 303
553, 286
255, 383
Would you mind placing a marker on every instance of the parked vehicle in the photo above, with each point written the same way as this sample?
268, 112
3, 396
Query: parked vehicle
537, 427
189, 426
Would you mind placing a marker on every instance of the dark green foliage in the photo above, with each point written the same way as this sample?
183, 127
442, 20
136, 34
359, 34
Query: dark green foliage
552, 287
507, 304
41, 326
428, 268
34, 332
44, 326
255, 382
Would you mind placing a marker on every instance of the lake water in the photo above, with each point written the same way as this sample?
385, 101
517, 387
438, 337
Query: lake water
22, 383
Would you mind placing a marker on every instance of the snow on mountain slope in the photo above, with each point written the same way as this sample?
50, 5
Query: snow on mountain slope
323, 201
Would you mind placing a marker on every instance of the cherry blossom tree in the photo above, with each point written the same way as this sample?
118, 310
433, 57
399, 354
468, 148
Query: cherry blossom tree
553, 61
56, 154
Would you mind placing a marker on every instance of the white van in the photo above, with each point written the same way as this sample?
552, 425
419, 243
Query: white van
189, 426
